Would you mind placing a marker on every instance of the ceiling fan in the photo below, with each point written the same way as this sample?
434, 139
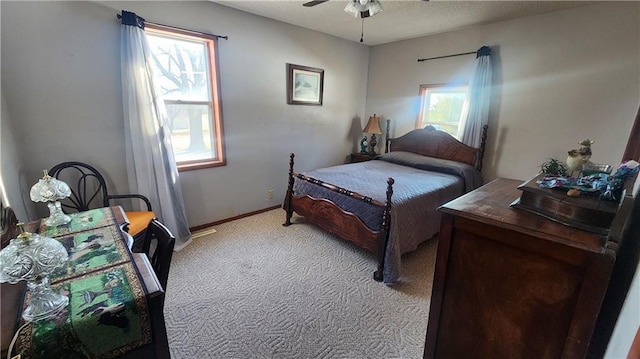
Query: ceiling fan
314, 3
357, 8
318, 2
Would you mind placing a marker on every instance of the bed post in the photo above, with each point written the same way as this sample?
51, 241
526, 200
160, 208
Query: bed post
287, 198
383, 237
387, 138
483, 143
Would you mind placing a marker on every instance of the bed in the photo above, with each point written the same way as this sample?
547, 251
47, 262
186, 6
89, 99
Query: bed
388, 205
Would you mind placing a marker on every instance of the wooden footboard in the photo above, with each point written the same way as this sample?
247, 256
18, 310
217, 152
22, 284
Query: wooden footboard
346, 225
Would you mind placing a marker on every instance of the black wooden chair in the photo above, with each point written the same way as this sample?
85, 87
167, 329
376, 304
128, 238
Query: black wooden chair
91, 192
158, 244
8, 225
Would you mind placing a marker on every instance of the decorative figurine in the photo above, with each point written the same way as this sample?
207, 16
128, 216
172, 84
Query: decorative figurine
575, 161
585, 148
578, 157
363, 144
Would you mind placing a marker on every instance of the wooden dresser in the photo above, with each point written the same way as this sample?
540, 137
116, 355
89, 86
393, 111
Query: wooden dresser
512, 284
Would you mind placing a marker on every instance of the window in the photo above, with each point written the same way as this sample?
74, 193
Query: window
441, 107
185, 69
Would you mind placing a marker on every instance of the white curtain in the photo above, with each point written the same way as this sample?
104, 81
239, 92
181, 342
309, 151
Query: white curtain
151, 165
475, 113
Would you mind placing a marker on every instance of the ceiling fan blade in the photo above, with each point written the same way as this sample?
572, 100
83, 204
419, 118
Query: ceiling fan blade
314, 3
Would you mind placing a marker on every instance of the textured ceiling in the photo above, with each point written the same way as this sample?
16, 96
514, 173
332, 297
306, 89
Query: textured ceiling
399, 20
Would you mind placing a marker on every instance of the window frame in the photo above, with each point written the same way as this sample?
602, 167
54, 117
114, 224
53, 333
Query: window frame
422, 93
211, 45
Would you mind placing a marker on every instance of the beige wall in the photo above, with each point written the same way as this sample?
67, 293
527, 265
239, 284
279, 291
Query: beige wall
14, 191
61, 76
560, 77
60, 79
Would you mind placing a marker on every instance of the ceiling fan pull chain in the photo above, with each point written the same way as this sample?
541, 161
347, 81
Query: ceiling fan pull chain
362, 30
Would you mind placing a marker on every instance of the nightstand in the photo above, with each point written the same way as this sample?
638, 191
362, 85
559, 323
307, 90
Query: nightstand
361, 157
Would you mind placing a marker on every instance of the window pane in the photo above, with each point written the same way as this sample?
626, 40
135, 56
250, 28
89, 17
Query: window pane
442, 108
181, 68
185, 71
191, 133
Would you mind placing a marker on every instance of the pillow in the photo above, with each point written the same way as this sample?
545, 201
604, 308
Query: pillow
472, 177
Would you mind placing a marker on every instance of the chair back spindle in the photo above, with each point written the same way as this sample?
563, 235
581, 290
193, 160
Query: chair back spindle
158, 245
88, 187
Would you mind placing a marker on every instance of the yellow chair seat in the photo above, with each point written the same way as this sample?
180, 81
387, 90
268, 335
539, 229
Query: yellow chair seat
138, 221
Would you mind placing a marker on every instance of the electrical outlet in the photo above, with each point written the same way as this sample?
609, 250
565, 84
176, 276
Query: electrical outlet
270, 194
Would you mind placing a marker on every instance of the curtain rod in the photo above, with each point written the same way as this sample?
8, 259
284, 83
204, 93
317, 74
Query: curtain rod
187, 30
442, 57
181, 29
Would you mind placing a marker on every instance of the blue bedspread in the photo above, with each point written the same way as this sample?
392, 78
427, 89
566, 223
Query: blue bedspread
422, 184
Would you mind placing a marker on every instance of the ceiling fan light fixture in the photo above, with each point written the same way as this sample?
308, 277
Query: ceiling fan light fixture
363, 8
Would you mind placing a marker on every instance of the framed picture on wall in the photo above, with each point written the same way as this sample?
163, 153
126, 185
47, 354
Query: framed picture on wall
304, 85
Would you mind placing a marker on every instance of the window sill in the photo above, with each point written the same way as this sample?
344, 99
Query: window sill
183, 167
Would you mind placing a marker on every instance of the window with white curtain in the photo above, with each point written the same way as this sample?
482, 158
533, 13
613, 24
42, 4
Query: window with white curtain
441, 107
185, 69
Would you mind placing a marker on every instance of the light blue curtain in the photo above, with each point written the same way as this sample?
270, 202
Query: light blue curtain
151, 165
476, 112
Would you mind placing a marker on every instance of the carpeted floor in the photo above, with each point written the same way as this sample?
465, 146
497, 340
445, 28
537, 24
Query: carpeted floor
256, 289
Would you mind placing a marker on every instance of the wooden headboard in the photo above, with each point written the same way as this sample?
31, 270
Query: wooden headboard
434, 143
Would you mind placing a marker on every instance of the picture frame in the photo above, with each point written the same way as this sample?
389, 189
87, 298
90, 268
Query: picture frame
305, 85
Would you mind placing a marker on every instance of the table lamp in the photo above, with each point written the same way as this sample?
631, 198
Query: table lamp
32, 258
51, 190
373, 127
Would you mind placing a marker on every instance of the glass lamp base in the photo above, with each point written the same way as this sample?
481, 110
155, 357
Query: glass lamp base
56, 216
45, 303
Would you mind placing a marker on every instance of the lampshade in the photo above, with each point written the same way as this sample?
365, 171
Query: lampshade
363, 8
33, 258
50, 190
373, 126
